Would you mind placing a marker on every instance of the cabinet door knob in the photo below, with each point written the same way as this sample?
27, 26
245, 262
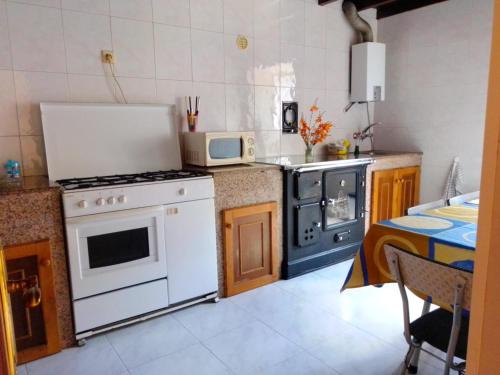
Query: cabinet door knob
229, 225
45, 262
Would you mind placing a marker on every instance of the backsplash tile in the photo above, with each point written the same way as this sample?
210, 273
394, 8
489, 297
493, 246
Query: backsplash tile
171, 12
315, 68
207, 15
293, 65
267, 70
315, 20
239, 64
268, 143
140, 10
32, 148
46, 3
90, 6
240, 104
292, 21
238, 17
85, 35
91, 89
267, 19
137, 90
134, 47
208, 56
212, 106
173, 52
5, 58
168, 49
8, 108
174, 92
36, 38
33, 88
267, 108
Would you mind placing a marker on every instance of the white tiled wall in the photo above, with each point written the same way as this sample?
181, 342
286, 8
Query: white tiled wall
166, 49
437, 71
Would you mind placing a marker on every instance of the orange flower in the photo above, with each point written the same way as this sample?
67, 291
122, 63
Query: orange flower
316, 130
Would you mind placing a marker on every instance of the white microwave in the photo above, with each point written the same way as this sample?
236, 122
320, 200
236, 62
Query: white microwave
219, 148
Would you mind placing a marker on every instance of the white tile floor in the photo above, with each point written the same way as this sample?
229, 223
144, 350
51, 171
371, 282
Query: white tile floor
302, 326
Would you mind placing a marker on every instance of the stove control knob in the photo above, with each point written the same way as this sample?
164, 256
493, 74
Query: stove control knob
182, 191
83, 204
122, 199
100, 202
111, 200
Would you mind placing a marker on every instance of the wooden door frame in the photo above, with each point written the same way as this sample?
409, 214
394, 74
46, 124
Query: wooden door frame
484, 331
7, 345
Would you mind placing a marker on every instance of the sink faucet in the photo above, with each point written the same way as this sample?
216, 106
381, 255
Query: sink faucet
365, 130
368, 133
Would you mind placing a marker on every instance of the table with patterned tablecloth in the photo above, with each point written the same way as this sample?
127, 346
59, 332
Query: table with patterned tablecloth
446, 234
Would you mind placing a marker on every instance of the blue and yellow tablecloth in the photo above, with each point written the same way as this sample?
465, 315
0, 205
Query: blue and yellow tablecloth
446, 234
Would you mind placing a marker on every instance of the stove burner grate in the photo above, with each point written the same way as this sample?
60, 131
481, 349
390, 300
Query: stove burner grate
126, 179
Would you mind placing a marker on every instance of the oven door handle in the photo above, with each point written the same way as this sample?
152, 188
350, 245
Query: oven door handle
335, 165
116, 215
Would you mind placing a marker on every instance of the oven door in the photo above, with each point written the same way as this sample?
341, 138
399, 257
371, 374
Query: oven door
114, 250
342, 195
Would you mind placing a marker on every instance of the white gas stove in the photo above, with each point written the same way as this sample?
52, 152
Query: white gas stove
139, 243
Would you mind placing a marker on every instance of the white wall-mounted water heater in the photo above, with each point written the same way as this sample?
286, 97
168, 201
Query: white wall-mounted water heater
368, 72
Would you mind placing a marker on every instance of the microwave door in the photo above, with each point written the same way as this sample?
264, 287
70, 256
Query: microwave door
225, 148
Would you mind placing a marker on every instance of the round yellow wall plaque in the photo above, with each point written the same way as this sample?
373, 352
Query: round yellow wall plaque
242, 42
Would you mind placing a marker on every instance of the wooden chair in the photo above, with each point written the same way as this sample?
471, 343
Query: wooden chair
440, 328
426, 206
459, 199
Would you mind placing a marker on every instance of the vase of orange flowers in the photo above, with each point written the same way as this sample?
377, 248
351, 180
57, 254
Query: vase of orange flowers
314, 131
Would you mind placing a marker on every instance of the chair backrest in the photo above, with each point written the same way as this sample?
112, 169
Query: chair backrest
459, 199
429, 277
426, 206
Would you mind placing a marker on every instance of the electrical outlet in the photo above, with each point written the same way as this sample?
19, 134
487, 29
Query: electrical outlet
107, 57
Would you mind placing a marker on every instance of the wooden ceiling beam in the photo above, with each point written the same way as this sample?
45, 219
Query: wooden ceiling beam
324, 2
362, 4
367, 4
387, 8
403, 6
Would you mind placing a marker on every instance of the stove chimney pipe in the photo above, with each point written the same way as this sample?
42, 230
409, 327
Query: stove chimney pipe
359, 24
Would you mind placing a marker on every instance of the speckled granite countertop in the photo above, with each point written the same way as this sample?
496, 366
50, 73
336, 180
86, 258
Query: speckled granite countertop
25, 184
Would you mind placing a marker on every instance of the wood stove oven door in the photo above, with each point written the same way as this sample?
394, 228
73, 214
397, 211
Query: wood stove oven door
307, 224
342, 197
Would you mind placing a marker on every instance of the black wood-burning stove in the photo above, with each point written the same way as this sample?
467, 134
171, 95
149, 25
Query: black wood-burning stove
324, 216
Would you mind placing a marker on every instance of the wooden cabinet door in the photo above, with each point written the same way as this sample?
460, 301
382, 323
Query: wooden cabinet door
250, 247
36, 329
408, 189
7, 341
383, 198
